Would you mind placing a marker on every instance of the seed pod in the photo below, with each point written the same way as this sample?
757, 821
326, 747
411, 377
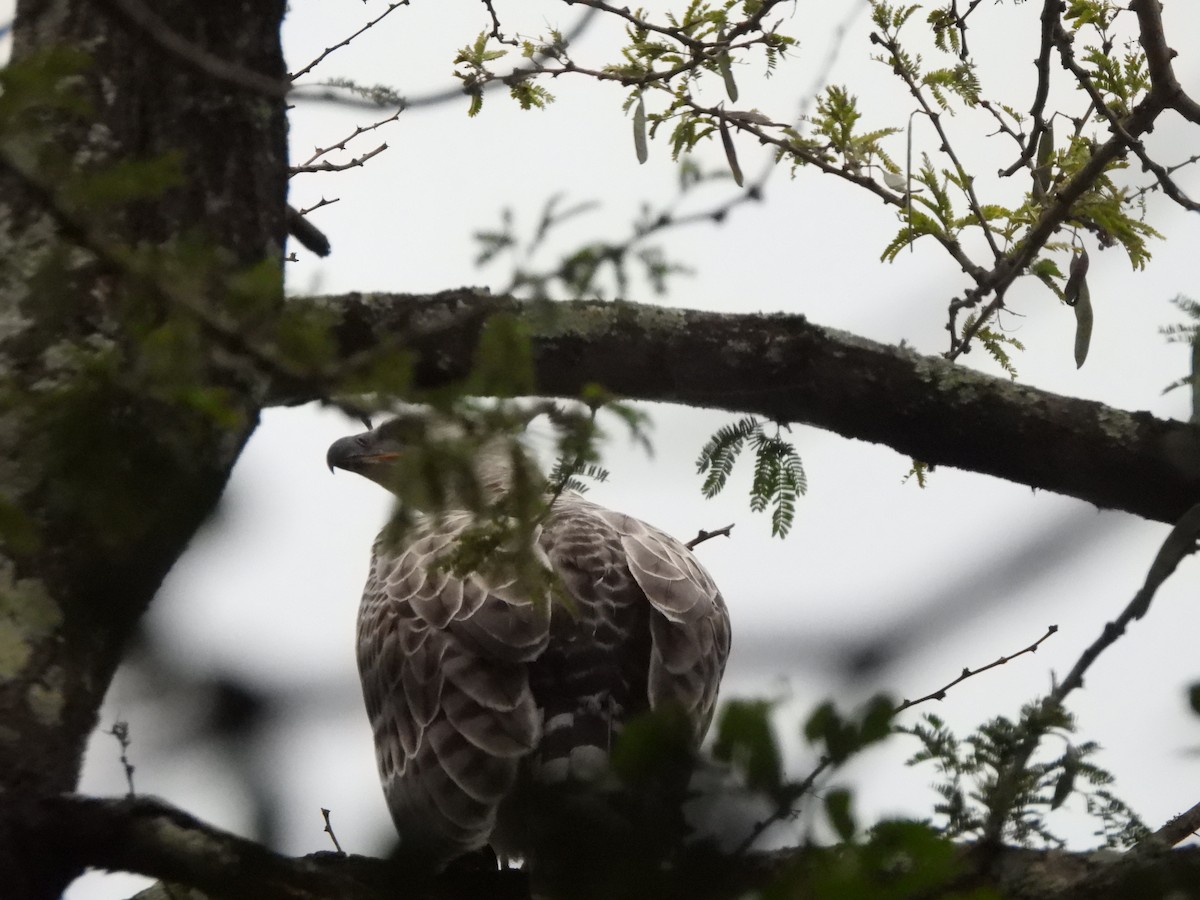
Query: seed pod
1076, 276
730, 153
639, 131
727, 74
1045, 154
1083, 323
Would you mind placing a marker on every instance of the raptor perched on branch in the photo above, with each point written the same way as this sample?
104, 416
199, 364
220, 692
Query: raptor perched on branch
481, 690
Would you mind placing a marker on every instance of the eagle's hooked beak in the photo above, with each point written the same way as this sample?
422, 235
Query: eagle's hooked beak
345, 452
358, 452
348, 449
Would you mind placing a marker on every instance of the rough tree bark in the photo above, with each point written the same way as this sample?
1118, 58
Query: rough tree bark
103, 479
111, 480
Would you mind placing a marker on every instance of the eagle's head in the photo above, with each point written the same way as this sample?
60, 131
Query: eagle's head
373, 454
458, 458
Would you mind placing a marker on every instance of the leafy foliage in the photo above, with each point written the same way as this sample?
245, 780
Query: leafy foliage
995, 343
779, 478
974, 776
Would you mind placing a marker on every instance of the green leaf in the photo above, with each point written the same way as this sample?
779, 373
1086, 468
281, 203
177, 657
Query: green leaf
837, 808
746, 739
720, 453
653, 746
1065, 785
503, 359
17, 530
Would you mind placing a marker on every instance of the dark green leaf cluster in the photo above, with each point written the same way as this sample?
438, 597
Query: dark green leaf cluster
977, 782
779, 478
896, 860
840, 737
746, 740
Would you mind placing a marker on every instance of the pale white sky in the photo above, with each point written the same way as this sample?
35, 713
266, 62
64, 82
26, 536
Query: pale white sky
269, 590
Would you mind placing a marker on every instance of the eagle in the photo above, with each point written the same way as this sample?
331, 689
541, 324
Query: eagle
479, 690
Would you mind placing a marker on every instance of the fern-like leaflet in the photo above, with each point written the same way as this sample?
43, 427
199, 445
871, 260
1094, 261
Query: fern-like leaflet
779, 477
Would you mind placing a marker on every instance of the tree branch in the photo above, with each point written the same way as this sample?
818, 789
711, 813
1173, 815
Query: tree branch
150, 837
790, 370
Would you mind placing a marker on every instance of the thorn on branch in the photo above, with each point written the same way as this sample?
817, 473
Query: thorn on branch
703, 535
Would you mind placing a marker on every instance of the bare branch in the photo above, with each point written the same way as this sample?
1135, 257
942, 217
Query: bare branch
346, 42
150, 837
341, 145
317, 205
329, 831
967, 672
337, 167
703, 535
1158, 59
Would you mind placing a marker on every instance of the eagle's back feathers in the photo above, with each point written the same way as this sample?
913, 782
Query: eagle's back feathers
473, 690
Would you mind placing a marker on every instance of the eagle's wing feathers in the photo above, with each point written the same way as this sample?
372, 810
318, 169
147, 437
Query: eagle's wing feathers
690, 634
627, 578
447, 695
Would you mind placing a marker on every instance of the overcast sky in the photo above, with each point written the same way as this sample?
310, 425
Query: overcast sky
955, 575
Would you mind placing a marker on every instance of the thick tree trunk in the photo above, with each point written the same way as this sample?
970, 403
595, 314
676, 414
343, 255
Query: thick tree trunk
107, 472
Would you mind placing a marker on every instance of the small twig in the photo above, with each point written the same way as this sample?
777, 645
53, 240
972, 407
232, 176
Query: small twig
329, 831
337, 167
784, 810
318, 152
315, 206
120, 731
702, 535
967, 672
495, 32
345, 43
